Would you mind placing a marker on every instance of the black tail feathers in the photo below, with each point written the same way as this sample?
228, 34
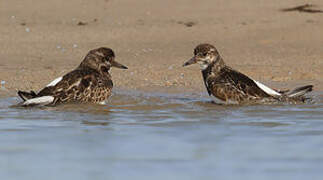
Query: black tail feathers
300, 91
27, 95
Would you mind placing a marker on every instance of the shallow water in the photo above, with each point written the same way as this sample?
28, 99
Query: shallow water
159, 136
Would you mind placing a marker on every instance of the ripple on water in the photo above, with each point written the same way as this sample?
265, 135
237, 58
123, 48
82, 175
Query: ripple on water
141, 135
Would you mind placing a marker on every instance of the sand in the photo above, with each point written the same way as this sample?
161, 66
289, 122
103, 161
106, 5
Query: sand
41, 40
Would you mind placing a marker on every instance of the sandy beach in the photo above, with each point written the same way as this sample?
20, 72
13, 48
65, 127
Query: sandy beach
41, 40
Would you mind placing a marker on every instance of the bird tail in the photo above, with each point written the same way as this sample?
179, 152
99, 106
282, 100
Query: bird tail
38, 101
300, 91
27, 95
32, 99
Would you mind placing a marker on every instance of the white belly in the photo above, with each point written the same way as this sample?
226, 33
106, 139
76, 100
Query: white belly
219, 101
102, 103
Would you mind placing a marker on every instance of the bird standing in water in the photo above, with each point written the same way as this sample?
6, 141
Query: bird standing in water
90, 82
229, 86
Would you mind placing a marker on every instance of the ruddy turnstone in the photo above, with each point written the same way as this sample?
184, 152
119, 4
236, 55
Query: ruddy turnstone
229, 86
90, 82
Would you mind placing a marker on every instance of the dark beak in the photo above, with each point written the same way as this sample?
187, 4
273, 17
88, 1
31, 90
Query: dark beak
117, 65
191, 61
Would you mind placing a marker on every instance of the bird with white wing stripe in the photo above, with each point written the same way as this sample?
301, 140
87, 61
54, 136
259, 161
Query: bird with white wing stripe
229, 86
90, 82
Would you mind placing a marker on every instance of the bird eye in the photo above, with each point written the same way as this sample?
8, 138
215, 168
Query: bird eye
204, 54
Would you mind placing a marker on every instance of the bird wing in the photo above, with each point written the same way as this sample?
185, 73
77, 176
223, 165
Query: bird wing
61, 89
73, 86
231, 84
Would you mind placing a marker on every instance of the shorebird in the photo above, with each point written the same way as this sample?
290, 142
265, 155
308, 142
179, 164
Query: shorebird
229, 86
90, 82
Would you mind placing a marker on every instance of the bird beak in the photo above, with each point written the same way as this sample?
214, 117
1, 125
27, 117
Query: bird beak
117, 65
191, 61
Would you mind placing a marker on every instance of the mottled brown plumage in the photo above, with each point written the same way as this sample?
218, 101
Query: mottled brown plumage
229, 86
90, 82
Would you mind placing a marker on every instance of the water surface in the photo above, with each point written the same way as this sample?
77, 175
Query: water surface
160, 136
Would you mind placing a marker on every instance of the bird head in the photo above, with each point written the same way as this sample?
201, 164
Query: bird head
204, 55
101, 60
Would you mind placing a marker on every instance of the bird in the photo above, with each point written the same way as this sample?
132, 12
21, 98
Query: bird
90, 82
229, 86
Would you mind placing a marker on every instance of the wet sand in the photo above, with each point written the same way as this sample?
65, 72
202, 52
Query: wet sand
41, 40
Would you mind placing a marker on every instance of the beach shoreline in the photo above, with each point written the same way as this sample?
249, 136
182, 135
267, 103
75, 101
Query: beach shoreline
281, 49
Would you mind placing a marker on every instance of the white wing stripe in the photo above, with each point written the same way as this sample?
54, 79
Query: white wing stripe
267, 89
40, 100
53, 83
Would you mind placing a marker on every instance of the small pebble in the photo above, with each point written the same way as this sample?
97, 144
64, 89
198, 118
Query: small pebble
3, 82
27, 30
58, 47
80, 23
74, 45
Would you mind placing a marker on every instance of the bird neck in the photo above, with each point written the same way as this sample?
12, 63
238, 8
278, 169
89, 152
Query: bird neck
106, 74
213, 69
215, 66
